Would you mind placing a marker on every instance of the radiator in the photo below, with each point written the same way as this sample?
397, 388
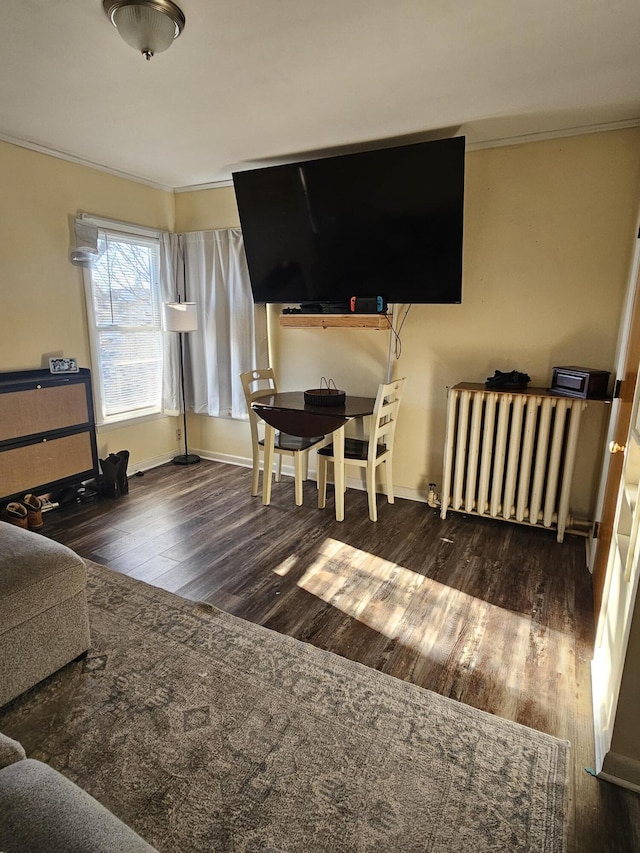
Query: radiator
510, 455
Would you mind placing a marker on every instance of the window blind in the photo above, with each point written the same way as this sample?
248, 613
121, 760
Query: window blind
126, 325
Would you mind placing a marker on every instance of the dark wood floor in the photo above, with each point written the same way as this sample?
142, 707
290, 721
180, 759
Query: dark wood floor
495, 615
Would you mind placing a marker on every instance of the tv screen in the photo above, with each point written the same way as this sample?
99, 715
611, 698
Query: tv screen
384, 223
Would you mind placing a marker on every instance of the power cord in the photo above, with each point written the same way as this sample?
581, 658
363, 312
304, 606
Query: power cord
397, 347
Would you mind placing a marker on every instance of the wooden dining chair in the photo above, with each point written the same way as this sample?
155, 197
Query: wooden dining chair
262, 383
372, 452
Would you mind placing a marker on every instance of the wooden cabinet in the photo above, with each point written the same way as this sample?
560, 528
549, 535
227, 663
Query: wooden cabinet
47, 431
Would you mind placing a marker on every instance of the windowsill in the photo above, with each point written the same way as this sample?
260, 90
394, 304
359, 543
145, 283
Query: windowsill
129, 422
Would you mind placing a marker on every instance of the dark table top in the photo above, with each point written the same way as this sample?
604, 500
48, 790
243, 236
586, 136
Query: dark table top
293, 401
287, 411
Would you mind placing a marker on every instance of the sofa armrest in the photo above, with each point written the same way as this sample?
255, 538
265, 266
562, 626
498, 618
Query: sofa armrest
10, 751
42, 810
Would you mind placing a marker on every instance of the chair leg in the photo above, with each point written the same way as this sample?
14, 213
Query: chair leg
388, 476
299, 481
371, 492
322, 481
305, 466
279, 468
256, 473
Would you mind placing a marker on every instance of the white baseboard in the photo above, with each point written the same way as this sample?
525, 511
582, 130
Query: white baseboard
147, 464
287, 470
227, 458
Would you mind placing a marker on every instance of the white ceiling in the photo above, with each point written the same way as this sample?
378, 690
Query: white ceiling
250, 83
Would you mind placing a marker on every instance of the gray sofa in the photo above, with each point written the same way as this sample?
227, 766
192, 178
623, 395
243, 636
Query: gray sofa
44, 624
44, 621
41, 811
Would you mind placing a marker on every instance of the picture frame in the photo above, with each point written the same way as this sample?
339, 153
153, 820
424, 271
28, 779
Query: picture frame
63, 365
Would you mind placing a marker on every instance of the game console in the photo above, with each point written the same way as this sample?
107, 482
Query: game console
367, 305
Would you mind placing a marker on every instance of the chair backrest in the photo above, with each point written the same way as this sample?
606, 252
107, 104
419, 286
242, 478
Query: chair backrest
257, 383
385, 414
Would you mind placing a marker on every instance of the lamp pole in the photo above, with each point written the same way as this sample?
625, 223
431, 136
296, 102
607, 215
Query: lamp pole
186, 458
181, 317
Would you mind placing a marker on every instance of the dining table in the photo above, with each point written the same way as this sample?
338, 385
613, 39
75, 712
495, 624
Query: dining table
288, 412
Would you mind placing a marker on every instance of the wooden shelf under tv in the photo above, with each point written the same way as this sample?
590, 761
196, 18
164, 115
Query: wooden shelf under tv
335, 321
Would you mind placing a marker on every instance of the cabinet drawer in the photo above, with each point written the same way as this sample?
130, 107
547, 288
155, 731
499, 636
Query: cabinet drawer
26, 468
37, 410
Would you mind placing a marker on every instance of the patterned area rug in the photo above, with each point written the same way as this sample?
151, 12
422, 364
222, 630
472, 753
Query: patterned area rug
208, 733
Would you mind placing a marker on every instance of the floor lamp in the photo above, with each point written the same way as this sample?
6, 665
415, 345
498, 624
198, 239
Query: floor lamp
181, 317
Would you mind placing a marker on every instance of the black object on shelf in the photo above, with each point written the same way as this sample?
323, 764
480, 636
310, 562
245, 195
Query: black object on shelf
507, 380
582, 382
319, 308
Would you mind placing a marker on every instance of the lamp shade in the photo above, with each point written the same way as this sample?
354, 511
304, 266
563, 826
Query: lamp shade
179, 317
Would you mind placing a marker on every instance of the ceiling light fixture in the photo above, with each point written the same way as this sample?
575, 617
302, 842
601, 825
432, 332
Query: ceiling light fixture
147, 25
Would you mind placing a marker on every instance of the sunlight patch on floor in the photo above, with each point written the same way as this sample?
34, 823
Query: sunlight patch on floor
438, 622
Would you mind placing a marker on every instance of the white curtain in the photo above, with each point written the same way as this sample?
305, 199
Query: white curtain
232, 331
171, 287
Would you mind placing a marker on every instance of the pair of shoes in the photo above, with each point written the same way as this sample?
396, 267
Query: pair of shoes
114, 481
26, 513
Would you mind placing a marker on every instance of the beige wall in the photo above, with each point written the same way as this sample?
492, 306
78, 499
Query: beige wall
43, 309
548, 236
203, 210
549, 230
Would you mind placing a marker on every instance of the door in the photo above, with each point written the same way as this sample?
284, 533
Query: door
619, 591
627, 372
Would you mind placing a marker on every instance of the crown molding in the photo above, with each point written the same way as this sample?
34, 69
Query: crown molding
481, 144
82, 161
212, 185
561, 133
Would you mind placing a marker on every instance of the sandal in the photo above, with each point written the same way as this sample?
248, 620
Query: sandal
15, 513
33, 505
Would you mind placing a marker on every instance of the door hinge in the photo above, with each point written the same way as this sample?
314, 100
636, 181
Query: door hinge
596, 530
617, 388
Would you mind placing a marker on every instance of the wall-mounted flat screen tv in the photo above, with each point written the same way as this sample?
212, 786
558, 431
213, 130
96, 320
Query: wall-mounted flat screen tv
386, 222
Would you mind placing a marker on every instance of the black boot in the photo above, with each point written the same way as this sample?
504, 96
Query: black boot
123, 480
108, 483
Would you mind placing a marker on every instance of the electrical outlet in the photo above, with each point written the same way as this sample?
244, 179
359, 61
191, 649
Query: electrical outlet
178, 434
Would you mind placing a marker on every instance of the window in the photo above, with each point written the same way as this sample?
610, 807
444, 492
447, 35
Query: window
124, 309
